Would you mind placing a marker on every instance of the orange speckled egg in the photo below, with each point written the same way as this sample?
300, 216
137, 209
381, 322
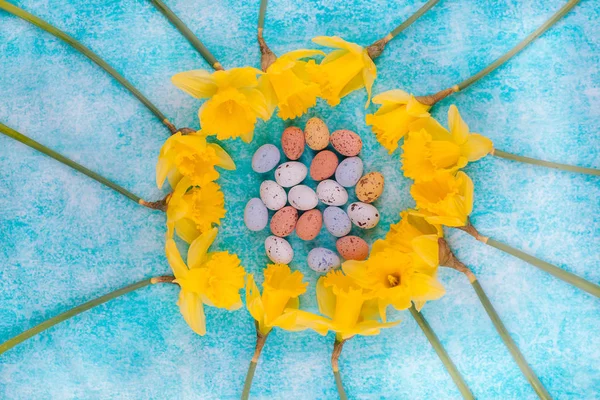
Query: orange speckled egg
316, 134
309, 224
346, 142
284, 221
323, 165
292, 142
352, 248
370, 187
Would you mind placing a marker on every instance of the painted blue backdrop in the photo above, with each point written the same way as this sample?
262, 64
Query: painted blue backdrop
65, 239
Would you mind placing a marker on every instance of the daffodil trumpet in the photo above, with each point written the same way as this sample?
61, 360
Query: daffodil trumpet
49, 323
187, 33
19, 137
557, 272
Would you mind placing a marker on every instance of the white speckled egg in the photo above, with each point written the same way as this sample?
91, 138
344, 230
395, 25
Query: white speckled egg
337, 222
363, 215
265, 158
278, 250
332, 193
290, 173
349, 171
256, 215
323, 260
272, 195
303, 198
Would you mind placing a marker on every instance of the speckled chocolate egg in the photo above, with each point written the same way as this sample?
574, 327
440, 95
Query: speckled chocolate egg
337, 222
352, 248
273, 195
316, 134
290, 173
369, 187
265, 158
284, 221
256, 215
322, 260
303, 198
346, 142
323, 166
332, 193
309, 225
278, 250
292, 142
363, 215
349, 172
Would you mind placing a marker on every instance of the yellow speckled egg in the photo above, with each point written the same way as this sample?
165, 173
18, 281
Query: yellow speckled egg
309, 224
316, 134
292, 142
352, 248
346, 142
370, 187
284, 221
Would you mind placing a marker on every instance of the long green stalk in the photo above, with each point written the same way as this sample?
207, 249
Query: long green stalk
9, 344
261, 14
18, 12
561, 274
248, 381
261, 339
532, 378
515, 50
442, 354
187, 33
338, 345
339, 385
426, 7
547, 164
62, 159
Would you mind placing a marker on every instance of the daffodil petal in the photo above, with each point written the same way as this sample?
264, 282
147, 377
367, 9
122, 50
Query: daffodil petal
199, 248
192, 309
225, 160
175, 261
186, 229
325, 298
476, 147
197, 83
392, 96
458, 127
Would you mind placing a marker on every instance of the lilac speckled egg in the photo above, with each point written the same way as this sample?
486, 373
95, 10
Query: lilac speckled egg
349, 171
256, 215
337, 222
323, 260
265, 158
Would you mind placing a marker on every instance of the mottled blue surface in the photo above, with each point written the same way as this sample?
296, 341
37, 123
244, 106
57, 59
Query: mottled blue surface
65, 239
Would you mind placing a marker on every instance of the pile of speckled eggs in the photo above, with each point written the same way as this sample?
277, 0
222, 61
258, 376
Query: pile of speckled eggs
302, 215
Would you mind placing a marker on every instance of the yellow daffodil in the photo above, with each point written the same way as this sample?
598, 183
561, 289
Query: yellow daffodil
193, 210
349, 309
192, 157
430, 147
445, 199
280, 292
286, 84
342, 71
396, 278
393, 120
234, 102
211, 278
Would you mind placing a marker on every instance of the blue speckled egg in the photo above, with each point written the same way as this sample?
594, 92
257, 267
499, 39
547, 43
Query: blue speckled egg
349, 171
265, 158
337, 222
323, 260
256, 215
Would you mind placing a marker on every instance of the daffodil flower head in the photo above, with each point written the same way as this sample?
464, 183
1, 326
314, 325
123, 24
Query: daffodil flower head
193, 210
395, 278
393, 120
211, 278
275, 307
430, 147
446, 199
190, 156
234, 101
286, 84
342, 71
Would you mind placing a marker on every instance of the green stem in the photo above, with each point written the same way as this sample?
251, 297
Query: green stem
547, 164
60, 158
442, 354
18, 12
9, 344
248, 381
426, 7
187, 33
261, 14
533, 380
561, 274
338, 345
261, 339
534, 35
339, 385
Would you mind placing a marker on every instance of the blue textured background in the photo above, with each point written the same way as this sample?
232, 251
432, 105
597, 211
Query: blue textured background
65, 239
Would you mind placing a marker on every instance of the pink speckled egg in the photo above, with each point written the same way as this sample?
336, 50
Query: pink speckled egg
346, 142
292, 142
323, 166
352, 248
284, 221
309, 225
